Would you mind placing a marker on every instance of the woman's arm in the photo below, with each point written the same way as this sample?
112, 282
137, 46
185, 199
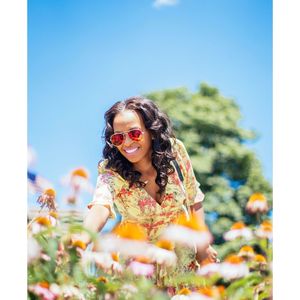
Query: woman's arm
94, 221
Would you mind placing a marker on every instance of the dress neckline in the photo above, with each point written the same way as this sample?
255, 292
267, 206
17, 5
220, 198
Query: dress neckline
162, 198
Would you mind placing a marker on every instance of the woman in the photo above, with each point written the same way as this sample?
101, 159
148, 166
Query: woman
137, 174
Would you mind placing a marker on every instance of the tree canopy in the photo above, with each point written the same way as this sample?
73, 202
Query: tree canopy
228, 171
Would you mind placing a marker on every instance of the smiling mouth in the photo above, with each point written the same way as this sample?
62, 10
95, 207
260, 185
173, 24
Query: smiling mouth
131, 151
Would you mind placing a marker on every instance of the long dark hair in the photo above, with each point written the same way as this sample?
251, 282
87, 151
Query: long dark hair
160, 127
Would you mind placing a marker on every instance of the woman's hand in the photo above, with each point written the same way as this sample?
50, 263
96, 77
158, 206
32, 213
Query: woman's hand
209, 254
212, 254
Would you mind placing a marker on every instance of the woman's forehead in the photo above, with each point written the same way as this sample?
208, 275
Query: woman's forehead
127, 120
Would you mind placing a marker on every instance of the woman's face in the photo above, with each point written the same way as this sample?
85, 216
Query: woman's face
133, 151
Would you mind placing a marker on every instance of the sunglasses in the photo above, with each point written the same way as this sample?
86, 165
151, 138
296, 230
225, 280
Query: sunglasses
117, 139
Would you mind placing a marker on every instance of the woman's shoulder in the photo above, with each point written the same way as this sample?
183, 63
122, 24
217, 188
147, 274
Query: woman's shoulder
102, 166
177, 146
181, 154
102, 169
177, 142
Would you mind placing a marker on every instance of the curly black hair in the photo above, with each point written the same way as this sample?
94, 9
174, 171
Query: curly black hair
160, 127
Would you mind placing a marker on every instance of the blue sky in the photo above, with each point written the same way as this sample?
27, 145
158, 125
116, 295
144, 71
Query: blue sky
85, 55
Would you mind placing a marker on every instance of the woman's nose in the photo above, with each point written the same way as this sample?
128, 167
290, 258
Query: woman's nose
127, 140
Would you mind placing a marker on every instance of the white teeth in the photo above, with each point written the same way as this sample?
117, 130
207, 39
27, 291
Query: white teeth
131, 150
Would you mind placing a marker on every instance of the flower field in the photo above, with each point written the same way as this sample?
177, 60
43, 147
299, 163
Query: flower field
123, 264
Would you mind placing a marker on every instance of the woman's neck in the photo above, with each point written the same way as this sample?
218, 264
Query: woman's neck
145, 166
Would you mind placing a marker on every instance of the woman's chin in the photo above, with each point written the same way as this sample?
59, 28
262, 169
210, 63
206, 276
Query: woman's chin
133, 160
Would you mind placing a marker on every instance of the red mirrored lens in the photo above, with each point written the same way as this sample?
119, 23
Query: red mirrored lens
117, 139
135, 134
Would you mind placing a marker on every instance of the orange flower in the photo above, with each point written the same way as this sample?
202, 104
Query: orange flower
207, 268
40, 223
102, 279
189, 232
260, 259
247, 249
233, 267
130, 230
161, 256
79, 244
44, 221
47, 199
246, 252
53, 214
233, 259
78, 180
257, 203
129, 240
165, 244
81, 172
206, 291
237, 230
267, 225
184, 291
238, 225
259, 263
50, 192
192, 222
115, 256
221, 289
44, 284
143, 259
265, 230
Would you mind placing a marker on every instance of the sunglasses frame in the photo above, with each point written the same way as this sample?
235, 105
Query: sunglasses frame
124, 138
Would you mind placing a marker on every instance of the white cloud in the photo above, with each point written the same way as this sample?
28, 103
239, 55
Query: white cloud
160, 3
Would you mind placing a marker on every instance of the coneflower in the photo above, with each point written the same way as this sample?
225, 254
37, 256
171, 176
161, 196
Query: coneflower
127, 238
184, 291
130, 230
238, 230
265, 230
257, 203
246, 252
41, 223
80, 244
204, 293
162, 253
233, 267
208, 268
78, 180
259, 262
47, 199
189, 232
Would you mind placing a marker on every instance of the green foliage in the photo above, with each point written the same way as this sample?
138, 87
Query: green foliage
229, 172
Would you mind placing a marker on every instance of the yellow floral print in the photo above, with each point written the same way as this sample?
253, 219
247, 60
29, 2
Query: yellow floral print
135, 204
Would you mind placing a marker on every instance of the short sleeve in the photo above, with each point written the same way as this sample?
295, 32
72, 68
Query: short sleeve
192, 186
105, 191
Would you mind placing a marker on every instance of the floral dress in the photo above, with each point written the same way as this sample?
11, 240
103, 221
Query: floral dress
135, 204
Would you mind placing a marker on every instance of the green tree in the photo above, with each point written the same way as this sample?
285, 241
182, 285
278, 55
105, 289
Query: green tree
229, 172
